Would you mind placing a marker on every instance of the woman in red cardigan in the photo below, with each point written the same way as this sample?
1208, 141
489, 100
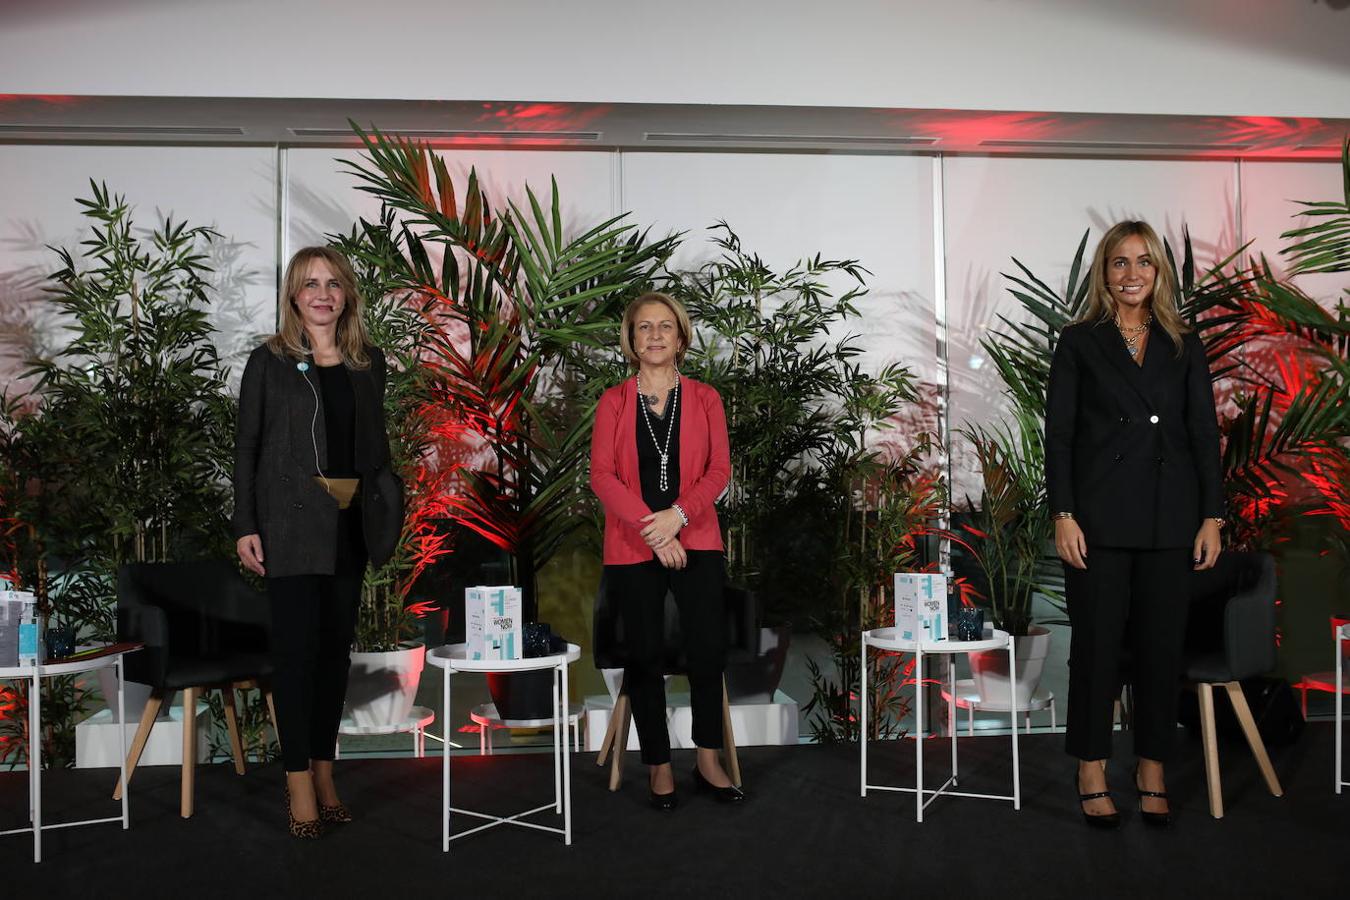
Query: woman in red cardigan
659, 460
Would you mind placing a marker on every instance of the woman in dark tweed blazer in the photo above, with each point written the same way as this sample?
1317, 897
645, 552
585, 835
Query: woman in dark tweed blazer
314, 501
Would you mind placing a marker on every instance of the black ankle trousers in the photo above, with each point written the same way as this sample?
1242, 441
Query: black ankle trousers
313, 625
640, 592
1135, 601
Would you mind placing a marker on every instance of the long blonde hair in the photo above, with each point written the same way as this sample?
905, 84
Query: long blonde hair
1101, 306
352, 338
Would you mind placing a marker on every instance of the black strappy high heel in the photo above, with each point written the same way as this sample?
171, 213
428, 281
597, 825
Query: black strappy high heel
1155, 819
1105, 822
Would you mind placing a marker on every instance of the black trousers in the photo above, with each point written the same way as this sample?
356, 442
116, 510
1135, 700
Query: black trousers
1133, 600
313, 625
640, 592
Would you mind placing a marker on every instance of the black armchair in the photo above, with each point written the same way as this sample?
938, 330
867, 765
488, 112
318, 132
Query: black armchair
609, 651
1231, 636
203, 628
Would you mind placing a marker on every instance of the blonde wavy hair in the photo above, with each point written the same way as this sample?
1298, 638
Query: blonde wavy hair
630, 315
352, 337
1101, 306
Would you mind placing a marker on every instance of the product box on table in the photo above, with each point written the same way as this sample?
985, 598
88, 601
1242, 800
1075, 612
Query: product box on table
492, 622
921, 606
19, 638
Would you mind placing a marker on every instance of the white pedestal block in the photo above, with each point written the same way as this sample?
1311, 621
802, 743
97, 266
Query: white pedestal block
755, 724
98, 743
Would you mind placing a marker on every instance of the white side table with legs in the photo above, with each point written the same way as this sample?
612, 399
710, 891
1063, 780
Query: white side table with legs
889, 639
454, 658
84, 661
1342, 638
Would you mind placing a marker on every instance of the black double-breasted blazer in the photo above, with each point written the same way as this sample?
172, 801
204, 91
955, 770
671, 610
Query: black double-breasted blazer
280, 431
1132, 450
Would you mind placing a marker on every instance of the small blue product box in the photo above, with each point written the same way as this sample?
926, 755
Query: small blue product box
492, 622
921, 606
19, 623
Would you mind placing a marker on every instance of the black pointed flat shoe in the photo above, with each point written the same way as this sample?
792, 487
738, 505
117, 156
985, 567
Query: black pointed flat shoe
1105, 822
731, 794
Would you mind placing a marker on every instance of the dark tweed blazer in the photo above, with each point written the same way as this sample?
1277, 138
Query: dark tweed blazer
1132, 451
275, 495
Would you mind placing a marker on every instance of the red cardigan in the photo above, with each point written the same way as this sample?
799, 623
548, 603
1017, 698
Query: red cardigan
705, 469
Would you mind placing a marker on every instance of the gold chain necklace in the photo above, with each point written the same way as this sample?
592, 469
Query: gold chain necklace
1133, 333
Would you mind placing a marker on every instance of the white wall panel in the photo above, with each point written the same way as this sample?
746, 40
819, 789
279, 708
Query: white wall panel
230, 189
875, 209
322, 195
1269, 190
1036, 210
1237, 57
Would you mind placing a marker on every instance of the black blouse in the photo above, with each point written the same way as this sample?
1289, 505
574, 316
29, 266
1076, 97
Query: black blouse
649, 456
339, 416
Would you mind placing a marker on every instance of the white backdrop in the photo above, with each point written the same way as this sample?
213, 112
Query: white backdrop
878, 209
1201, 57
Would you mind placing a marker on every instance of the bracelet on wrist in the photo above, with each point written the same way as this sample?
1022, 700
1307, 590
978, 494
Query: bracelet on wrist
1063, 515
679, 511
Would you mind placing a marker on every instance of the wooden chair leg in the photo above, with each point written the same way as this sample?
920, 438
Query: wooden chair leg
152, 707
232, 727
729, 739
608, 743
272, 712
1244, 715
1209, 738
623, 713
189, 750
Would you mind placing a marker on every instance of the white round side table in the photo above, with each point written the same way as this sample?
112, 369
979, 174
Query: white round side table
85, 660
453, 658
889, 639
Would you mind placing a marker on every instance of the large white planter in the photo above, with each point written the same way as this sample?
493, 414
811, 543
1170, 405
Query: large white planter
137, 695
382, 686
990, 668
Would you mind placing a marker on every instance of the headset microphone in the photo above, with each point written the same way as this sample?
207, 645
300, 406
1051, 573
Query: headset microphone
303, 367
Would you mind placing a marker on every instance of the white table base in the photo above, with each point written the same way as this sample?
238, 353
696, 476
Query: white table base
919, 649
485, 717
969, 699
562, 774
419, 717
34, 675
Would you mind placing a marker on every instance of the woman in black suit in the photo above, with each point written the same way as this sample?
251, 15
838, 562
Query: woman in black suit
314, 500
1133, 477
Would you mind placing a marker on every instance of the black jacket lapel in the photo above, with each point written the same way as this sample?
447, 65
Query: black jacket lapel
1113, 349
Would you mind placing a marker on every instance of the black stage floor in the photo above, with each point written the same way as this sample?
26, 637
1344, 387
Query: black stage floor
804, 832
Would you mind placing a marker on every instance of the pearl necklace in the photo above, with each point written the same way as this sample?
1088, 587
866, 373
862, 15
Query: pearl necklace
670, 427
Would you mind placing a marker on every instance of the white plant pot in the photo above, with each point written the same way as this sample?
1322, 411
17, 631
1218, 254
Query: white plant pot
990, 668
613, 681
382, 686
135, 696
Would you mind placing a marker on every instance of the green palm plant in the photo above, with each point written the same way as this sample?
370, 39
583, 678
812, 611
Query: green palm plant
1286, 422
388, 258
799, 409
520, 313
